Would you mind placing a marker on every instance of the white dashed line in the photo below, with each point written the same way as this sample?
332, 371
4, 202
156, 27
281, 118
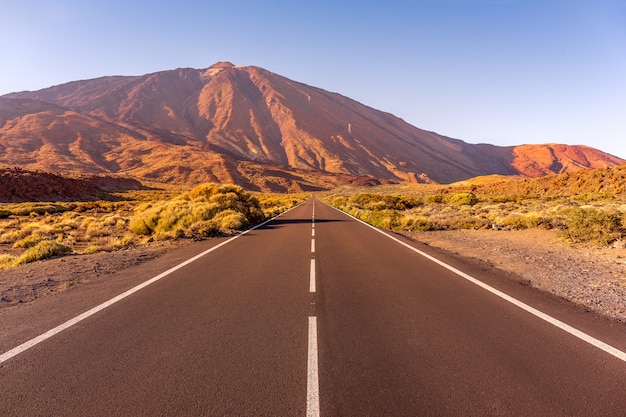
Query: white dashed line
313, 387
312, 277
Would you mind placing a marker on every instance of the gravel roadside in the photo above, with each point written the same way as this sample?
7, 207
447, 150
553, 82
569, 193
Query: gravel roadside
34, 280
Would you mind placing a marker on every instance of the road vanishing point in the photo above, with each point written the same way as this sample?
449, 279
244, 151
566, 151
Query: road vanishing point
311, 314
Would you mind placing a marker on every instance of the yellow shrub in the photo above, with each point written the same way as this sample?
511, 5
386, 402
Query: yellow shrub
31, 240
43, 250
6, 261
10, 236
228, 206
231, 220
92, 247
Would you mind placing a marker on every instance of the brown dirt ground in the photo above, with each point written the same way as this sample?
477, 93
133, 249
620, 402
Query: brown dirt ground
43, 278
589, 276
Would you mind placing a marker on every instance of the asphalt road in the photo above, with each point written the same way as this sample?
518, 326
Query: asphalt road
317, 314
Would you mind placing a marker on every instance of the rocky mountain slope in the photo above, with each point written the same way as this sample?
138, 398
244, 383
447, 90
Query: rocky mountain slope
18, 185
249, 126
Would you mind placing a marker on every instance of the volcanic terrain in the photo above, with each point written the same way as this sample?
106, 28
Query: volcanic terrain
249, 126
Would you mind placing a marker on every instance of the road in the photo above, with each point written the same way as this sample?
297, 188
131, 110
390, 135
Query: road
316, 314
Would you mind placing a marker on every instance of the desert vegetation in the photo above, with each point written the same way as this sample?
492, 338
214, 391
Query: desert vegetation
35, 231
587, 207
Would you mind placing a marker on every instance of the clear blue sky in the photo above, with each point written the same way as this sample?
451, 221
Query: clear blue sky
506, 72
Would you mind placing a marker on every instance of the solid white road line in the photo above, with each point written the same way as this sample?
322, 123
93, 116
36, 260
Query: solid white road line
313, 387
312, 286
555, 322
36, 340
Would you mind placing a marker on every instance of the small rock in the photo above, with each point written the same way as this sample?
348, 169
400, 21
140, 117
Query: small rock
619, 244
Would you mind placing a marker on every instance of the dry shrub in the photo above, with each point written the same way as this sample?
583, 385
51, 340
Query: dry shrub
109, 244
337, 201
6, 261
198, 212
113, 220
430, 212
594, 225
415, 222
203, 229
378, 202
32, 239
43, 250
10, 236
274, 204
500, 203
125, 241
435, 199
231, 220
92, 247
464, 199
96, 230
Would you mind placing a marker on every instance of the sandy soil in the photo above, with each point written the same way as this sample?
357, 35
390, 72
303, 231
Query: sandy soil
592, 277
43, 278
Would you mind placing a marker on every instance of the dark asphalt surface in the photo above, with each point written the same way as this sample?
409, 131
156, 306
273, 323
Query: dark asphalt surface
397, 336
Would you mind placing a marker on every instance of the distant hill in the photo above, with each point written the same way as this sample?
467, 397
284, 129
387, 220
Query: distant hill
18, 185
603, 181
248, 126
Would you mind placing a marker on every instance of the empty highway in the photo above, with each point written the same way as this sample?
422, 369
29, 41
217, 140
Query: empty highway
315, 314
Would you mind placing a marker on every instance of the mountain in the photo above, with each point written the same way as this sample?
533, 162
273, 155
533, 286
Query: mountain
249, 126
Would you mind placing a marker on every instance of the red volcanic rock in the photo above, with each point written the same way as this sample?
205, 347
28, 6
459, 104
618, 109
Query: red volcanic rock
540, 160
190, 126
18, 185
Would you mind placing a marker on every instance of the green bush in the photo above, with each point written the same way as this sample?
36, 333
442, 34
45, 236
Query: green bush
400, 202
435, 199
464, 199
594, 225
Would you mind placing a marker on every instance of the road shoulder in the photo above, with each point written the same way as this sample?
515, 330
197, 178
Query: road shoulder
594, 278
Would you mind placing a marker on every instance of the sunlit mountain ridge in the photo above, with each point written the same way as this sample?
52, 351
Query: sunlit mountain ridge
249, 126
